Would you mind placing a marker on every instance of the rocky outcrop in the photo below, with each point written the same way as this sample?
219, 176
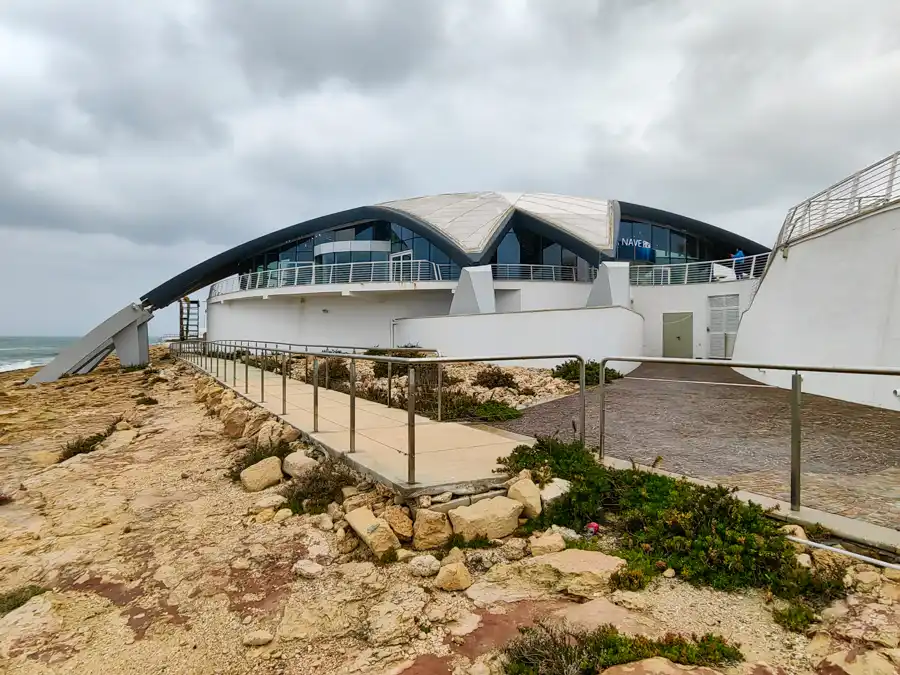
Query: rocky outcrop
296, 464
374, 532
394, 620
269, 433
257, 418
857, 661
591, 615
492, 518
658, 666
555, 489
262, 475
528, 495
424, 566
400, 522
573, 571
453, 577
551, 542
431, 530
235, 420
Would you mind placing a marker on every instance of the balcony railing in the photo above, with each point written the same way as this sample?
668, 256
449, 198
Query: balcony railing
513, 272
706, 272
866, 190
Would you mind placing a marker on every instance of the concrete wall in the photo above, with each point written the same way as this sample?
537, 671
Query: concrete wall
357, 319
594, 333
835, 300
652, 302
540, 294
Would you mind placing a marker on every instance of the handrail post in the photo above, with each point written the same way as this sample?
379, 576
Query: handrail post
262, 377
217, 363
753, 267
284, 367
247, 371
389, 385
440, 377
411, 426
327, 378
315, 395
582, 376
352, 405
796, 388
601, 413
234, 357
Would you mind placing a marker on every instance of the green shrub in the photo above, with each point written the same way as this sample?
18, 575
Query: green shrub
317, 488
527, 391
85, 444
492, 377
704, 533
571, 371
458, 541
17, 597
380, 369
547, 649
796, 617
629, 580
495, 411
251, 456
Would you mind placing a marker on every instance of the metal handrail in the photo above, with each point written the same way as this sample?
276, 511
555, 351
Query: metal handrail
203, 351
702, 272
518, 272
796, 391
867, 190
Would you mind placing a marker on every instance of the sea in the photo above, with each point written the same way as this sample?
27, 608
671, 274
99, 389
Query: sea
27, 352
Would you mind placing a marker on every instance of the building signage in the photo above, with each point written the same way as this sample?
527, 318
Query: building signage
637, 243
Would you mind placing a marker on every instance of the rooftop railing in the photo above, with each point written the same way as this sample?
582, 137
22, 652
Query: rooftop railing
867, 190
706, 272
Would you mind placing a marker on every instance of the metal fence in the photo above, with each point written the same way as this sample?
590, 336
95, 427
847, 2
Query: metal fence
796, 393
866, 190
535, 272
209, 355
706, 272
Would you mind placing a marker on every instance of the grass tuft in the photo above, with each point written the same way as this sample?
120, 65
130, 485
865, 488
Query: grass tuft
251, 456
796, 617
17, 597
571, 372
547, 649
458, 541
85, 444
317, 488
493, 377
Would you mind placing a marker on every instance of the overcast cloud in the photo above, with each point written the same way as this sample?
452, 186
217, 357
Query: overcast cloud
138, 138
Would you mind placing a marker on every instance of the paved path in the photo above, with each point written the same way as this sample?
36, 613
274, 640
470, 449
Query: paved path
704, 424
446, 453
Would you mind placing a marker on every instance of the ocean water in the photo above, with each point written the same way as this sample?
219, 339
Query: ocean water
27, 352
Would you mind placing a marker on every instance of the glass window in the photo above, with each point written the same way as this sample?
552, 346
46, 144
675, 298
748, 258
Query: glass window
342, 257
529, 246
345, 234
679, 247
643, 247
569, 259
305, 250
364, 232
438, 256
380, 256
508, 253
420, 247
692, 248
325, 259
660, 242
381, 231
398, 246
324, 238
625, 244
552, 253
360, 256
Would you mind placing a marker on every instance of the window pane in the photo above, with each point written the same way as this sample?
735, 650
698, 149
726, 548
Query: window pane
342, 257
660, 242
325, 259
438, 256
381, 231
397, 246
643, 248
364, 232
679, 247
569, 259
379, 256
346, 234
420, 248
360, 256
529, 246
508, 251
552, 253
625, 243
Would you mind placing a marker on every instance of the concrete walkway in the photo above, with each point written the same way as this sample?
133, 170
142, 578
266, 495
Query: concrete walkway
447, 454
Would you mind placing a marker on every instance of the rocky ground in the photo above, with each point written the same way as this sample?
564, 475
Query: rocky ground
156, 562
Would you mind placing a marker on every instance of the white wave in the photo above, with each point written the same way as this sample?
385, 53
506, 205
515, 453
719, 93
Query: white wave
16, 365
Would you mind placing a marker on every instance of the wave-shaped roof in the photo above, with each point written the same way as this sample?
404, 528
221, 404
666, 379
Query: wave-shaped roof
472, 220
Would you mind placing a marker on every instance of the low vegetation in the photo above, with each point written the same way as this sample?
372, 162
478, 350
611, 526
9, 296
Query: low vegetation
705, 534
251, 456
493, 377
85, 444
458, 405
458, 541
547, 649
316, 489
795, 617
571, 372
17, 597
146, 400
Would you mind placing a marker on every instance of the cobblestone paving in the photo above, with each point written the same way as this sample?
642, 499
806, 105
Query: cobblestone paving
740, 435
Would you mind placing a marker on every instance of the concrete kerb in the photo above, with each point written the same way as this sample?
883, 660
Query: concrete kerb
856, 531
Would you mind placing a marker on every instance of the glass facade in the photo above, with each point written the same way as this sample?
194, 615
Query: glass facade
520, 246
658, 244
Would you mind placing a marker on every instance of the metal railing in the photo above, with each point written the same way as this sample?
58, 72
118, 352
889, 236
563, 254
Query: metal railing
796, 392
337, 273
208, 355
705, 272
535, 272
866, 190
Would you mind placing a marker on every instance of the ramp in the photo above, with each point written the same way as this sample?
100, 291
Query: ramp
125, 332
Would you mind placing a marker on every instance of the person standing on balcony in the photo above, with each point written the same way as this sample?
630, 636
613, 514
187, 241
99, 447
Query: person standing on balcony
738, 257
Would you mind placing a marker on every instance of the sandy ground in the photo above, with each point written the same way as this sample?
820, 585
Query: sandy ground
155, 566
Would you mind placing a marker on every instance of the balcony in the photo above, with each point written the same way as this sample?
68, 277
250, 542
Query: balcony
706, 272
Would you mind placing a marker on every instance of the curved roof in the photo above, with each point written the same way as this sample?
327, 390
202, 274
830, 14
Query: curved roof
467, 226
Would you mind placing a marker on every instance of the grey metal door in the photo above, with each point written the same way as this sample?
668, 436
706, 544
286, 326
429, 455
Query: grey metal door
678, 335
724, 319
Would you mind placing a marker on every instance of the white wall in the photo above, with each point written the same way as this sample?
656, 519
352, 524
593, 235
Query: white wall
652, 302
544, 294
835, 300
592, 332
359, 319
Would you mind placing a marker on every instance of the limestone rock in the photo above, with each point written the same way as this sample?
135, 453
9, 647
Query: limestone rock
296, 464
289, 434
591, 615
403, 555
867, 580
269, 433
262, 474
658, 666
349, 491
323, 522
335, 511
555, 489
442, 498
431, 530
453, 577
549, 543
257, 638
240, 564
282, 515
307, 569
481, 560
424, 566
669, 573
795, 531
400, 522
513, 549
803, 560
374, 532
272, 501
265, 516
258, 416
454, 556
528, 495
394, 620
567, 533
856, 661
573, 571
492, 518
234, 421
891, 574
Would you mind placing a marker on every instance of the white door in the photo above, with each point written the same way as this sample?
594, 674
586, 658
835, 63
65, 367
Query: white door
401, 266
724, 318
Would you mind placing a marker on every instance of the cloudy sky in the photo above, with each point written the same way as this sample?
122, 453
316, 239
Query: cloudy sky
138, 138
